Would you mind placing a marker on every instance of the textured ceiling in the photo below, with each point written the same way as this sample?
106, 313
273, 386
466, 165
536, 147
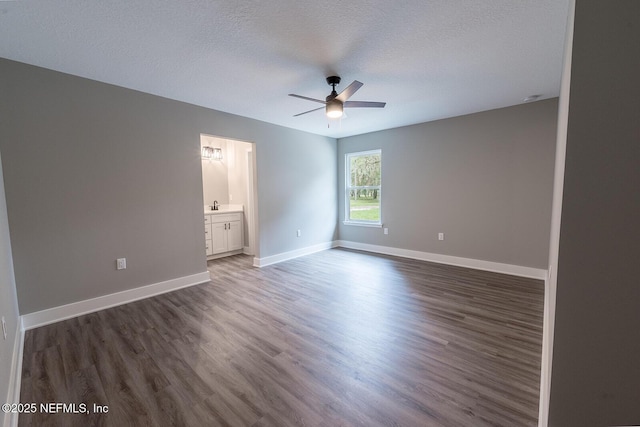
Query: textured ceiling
427, 59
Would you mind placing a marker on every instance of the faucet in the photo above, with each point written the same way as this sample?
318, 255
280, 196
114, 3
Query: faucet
216, 206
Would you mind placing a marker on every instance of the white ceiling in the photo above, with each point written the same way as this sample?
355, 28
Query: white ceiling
428, 59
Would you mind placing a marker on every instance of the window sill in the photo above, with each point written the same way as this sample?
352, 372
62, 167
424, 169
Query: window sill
363, 224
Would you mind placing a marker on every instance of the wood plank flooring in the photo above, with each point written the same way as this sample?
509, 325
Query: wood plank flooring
338, 338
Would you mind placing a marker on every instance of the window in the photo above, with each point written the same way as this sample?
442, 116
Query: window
363, 188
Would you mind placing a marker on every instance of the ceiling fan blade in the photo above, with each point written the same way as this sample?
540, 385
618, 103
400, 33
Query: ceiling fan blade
315, 109
307, 98
349, 91
364, 104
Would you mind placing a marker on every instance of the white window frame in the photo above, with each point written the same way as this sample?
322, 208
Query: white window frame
348, 188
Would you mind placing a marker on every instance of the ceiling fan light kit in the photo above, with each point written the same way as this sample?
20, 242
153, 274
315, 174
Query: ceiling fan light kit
334, 109
335, 103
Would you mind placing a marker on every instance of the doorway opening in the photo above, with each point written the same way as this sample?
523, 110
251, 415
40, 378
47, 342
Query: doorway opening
229, 186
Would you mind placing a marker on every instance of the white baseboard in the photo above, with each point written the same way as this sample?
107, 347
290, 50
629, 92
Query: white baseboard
15, 380
285, 256
496, 267
63, 312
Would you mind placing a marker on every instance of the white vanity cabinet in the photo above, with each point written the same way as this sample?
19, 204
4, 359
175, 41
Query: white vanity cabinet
223, 233
207, 234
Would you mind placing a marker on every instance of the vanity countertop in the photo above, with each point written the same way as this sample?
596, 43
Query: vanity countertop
224, 209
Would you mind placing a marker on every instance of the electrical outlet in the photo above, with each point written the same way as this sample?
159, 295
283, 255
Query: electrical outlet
121, 263
299, 233
4, 328
386, 230
440, 236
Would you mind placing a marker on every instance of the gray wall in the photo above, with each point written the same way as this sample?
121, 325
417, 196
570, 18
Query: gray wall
94, 172
485, 180
8, 304
596, 353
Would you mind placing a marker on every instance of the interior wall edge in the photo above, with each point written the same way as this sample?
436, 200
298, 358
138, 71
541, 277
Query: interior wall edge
554, 233
15, 382
10, 419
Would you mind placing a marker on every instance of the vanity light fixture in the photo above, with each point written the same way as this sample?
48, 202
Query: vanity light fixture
207, 153
211, 153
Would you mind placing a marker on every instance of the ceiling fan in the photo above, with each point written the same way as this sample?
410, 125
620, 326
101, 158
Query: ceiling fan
335, 103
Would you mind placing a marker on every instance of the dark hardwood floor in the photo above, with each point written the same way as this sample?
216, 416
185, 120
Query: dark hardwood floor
338, 338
